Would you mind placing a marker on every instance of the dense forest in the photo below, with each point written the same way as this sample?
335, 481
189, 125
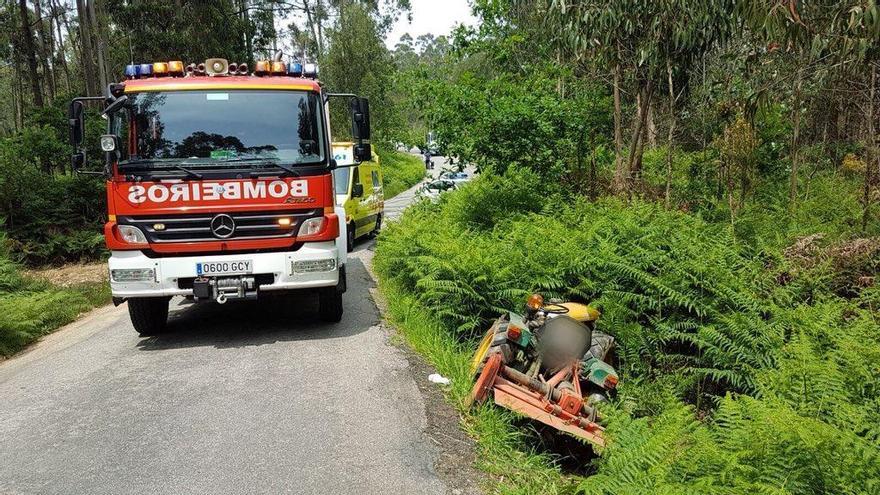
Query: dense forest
707, 173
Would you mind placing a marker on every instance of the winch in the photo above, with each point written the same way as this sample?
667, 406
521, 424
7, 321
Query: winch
222, 289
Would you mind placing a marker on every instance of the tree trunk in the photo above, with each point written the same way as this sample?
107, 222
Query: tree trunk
651, 128
619, 182
319, 13
99, 45
17, 97
62, 56
795, 142
85, 39
46, 52
667, 197
637, 146
871, 162
310, 24
29, 52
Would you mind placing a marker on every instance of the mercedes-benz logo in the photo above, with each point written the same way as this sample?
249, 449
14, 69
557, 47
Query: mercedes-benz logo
222, 226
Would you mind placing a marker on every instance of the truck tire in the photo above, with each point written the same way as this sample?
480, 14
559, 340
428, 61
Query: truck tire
149, 315
330, 305
349, 237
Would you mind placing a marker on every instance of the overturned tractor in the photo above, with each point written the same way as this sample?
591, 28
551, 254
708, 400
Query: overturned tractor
550, 364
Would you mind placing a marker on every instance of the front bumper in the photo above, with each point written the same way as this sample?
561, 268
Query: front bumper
170, 271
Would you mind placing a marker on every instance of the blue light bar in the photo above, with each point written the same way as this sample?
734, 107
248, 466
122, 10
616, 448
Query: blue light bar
132, 71
146, 70
295, 69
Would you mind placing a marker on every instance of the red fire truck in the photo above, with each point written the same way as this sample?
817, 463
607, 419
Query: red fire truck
219, 184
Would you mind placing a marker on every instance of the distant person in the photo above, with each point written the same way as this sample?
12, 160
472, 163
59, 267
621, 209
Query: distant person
428, 163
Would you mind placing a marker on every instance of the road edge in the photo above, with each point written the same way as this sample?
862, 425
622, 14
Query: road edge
456, 462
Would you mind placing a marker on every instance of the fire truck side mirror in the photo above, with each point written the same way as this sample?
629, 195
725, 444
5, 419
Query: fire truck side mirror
76, 122
360, 119
77, 160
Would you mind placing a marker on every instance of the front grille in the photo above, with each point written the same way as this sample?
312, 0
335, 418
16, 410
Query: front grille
197, 226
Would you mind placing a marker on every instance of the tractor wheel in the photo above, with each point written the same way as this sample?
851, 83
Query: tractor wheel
486, 379
494, 341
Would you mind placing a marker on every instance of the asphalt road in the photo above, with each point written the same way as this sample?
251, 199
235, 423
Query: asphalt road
252, 397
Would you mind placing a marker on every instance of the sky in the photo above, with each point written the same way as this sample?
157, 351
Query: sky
431, 16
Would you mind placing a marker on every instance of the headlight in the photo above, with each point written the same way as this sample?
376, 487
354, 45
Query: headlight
133, 275
312, 226
131, 235
314, 266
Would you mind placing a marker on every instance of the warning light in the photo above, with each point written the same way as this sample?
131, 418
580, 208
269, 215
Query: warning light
175, 68
535, 302
261, 68
160, 68
279, 67
132, 71
284, 222
310, 70
295, 69
145, 70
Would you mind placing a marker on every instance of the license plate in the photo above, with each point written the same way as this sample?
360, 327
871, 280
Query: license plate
217, 268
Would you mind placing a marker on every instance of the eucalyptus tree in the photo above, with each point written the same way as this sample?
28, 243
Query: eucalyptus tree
816, 38
654, 43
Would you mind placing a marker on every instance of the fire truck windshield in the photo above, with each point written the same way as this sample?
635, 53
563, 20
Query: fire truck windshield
206, 130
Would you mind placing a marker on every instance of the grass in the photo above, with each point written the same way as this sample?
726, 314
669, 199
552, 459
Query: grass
31, 308
503, 450
400, 171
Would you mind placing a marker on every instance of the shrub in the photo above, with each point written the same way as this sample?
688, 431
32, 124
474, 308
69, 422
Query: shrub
738, 376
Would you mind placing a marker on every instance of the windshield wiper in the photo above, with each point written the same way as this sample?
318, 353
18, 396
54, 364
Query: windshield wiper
271, 161
188, 171
162, 166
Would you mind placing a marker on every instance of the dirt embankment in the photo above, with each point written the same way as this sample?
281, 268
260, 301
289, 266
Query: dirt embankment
72, 274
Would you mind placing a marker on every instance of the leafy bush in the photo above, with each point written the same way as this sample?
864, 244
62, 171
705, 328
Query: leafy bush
739, 377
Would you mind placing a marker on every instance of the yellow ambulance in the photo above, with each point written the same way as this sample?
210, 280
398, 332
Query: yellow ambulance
359, 191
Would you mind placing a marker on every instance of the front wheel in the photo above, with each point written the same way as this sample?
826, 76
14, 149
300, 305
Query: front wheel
330, 305
149, 315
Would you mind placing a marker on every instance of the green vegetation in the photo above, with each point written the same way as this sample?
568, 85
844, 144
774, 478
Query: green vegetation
32, 308
400, 171
761, 345
706, 172
709, 180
